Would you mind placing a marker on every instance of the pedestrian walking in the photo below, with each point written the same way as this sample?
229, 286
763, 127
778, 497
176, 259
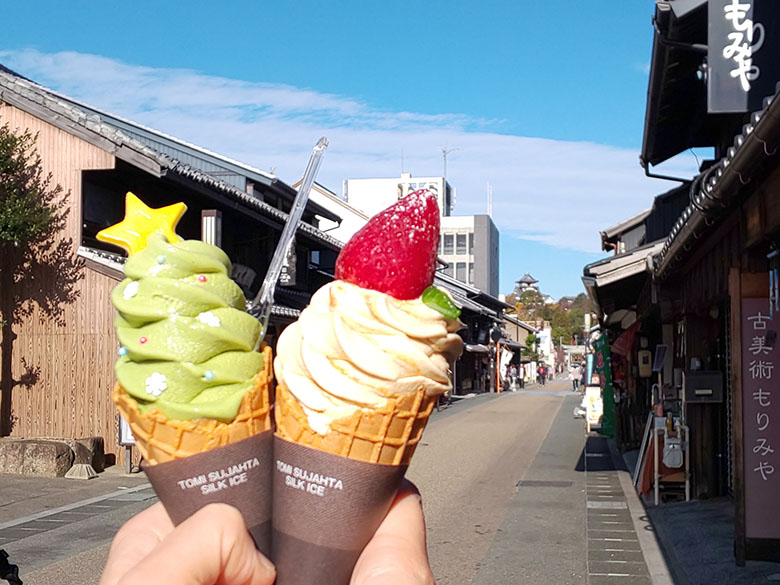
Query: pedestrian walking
574, 376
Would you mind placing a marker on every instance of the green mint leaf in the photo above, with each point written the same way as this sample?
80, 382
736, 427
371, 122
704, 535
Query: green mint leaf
441, 302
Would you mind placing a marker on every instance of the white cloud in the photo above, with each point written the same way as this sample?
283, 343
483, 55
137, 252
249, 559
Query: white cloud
556, 192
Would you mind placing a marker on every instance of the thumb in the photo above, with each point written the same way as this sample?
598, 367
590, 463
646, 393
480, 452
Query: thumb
397, 554
212, 547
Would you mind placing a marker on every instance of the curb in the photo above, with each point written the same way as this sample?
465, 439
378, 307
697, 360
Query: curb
645, 532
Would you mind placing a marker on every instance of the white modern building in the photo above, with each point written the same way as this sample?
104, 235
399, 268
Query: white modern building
373, 195
546, 347
469, 245
351, 219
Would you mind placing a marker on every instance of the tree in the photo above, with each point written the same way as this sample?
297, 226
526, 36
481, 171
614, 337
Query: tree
582, 302
529, 305
531, 349
37, 268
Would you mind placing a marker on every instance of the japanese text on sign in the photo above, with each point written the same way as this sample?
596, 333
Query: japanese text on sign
760, 354
745, 39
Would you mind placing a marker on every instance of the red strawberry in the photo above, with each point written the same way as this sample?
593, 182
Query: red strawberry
395, 252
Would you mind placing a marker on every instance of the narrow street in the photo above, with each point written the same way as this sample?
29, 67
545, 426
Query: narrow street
513, 490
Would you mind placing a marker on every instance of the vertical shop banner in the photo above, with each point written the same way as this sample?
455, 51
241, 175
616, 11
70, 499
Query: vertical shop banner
761, 418
743, 41
603, 368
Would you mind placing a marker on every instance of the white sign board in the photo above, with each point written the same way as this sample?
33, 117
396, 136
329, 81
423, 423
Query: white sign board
594, 406
125, 434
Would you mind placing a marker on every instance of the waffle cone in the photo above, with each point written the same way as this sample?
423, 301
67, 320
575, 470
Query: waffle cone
160, 439
387, 435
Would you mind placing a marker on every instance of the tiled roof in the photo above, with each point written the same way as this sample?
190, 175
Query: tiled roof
95, 126
527, 279
715, 189
115, 262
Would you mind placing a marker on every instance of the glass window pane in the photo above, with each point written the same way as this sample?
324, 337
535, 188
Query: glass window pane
460, 271
471, 243
448, 270
448, 244
471, 273
460, 247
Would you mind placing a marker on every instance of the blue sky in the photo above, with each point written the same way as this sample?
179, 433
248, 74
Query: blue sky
543, 100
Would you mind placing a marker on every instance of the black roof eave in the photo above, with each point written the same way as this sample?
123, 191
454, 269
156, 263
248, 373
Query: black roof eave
250, 207
289, 192
676, 117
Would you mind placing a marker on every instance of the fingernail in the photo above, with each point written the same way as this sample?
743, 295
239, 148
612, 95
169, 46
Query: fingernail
265, 564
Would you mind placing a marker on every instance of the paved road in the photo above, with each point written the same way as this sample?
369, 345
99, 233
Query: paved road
506, 491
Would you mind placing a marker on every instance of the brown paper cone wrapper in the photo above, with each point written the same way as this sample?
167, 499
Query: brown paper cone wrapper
330, 493
194, 463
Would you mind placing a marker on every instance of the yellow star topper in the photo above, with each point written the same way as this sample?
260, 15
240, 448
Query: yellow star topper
140, 222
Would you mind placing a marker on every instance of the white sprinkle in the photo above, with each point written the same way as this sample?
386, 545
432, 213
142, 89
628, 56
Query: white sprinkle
209, 318
156, 384
130, 290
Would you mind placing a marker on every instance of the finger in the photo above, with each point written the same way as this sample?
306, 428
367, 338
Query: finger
136, 539
212, 547
397, 554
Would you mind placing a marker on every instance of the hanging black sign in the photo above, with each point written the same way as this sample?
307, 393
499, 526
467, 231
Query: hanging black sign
743, 43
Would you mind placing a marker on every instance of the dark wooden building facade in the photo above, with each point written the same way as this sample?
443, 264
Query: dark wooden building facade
708, 292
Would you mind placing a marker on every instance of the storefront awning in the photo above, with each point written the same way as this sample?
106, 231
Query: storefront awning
615, 282
622, 266
511, 344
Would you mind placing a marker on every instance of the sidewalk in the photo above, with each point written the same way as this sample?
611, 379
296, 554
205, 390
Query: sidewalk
696, 539
24, 495
571, 521
56, 530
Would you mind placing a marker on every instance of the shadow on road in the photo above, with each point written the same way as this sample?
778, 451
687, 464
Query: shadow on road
596, 455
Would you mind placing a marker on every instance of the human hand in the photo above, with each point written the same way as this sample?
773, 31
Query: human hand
397, 554
212, 547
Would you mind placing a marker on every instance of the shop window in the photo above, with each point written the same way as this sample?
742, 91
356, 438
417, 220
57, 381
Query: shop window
460, 244
448, 244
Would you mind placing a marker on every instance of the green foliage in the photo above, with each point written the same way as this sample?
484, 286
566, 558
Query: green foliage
38, 266
568, 324
29, 205
529, 305
531, 349
566, 317
33, 213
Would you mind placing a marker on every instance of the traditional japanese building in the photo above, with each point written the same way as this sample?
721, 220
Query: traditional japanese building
691, 312
58, 343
